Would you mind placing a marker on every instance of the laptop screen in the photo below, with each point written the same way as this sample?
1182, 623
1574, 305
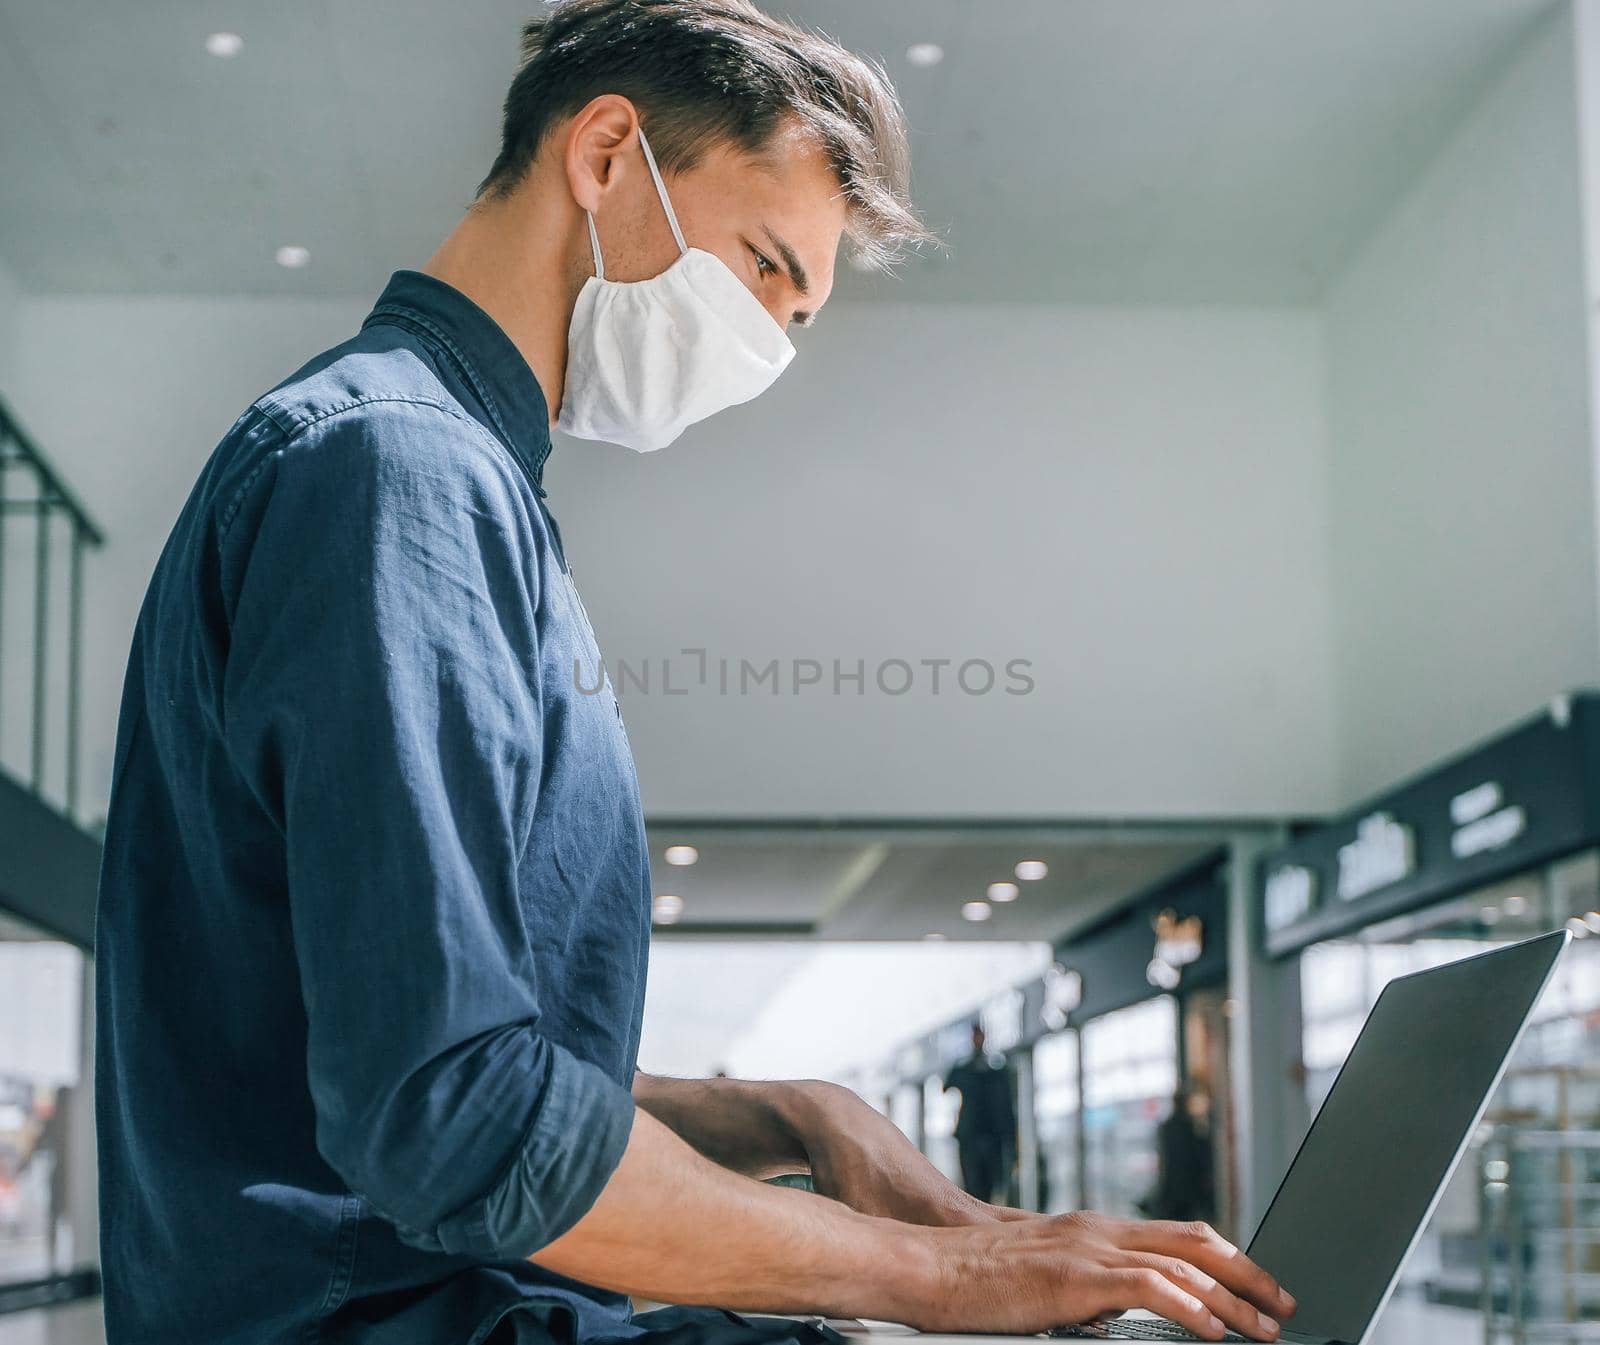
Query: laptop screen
1385, 1139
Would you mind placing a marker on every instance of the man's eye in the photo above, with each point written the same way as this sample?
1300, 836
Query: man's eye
763, 264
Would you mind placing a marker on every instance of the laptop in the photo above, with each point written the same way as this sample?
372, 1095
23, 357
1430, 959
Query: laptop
1376, 1159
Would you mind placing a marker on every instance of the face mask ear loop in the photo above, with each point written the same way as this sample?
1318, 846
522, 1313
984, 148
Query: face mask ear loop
661, 191
594, 246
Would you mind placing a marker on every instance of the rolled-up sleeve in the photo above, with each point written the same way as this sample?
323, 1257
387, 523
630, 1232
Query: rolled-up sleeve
381, 698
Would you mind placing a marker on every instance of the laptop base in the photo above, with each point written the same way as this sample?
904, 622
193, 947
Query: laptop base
1159, 1328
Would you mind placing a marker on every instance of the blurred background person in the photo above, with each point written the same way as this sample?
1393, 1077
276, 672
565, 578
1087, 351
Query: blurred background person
986, 1128
1186, 1177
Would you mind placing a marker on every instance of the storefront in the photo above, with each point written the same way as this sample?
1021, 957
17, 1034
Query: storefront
1097, 1048
1149, 985
48, 1195
1498, 844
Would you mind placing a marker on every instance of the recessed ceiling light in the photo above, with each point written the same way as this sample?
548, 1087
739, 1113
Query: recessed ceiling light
225, 45
924, 54
976, 911
1031, 870
1004, 891
681, 855
666, 909
934, 937
293, 256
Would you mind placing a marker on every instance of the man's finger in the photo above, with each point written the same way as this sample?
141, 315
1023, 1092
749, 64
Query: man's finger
1203, 1246
1232, 1309
1150, 1289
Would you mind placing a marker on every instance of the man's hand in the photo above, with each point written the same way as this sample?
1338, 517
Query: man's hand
1031, 1274
1023, 1271
674, 1226
860, 1157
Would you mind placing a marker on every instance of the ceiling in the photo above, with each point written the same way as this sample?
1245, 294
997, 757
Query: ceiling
903, 883
1088, 150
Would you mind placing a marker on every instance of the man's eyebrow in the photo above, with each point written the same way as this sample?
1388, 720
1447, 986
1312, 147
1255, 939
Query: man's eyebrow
791, 263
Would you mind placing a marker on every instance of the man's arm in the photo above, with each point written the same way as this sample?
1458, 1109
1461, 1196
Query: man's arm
852, 1152
381, 700
752, 1128
672, 1225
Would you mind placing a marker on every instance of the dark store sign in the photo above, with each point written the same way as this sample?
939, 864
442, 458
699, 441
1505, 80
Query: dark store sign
1383, 852
1129, 955
1291, 895
1063, 992
1166, 941
1482, 823
1520, 800
1180, 940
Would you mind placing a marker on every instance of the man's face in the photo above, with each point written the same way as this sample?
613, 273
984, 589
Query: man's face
775, 219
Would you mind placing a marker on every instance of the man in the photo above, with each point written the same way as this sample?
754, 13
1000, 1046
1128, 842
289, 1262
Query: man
52, 1139
986, 1126
375, 899
1186, 1169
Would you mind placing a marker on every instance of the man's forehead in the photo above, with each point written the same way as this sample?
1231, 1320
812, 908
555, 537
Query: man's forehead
792, 162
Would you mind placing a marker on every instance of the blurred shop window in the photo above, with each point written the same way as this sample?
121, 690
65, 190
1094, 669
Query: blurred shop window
41, 985
939, 1110
1130, 1073
1056, 1112
905, 1110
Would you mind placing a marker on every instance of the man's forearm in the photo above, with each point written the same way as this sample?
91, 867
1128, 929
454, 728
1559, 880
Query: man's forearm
673, 1225
753, 1128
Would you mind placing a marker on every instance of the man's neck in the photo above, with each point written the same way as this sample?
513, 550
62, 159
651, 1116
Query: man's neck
515, 260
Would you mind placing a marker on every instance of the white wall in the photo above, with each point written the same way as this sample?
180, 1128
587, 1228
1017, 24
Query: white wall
16, 568
1260, 561
1461, 504
1586, 63
1128, 498
128, 397
9, 301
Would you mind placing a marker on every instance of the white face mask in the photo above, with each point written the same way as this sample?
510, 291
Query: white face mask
648, 358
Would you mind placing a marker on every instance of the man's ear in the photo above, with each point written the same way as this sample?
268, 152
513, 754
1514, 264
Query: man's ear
596, 138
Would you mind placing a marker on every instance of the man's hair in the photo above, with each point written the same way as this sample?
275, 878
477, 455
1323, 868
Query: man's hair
705, 73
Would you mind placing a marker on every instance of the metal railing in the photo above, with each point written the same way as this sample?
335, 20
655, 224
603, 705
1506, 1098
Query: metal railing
33, 496
1540, 1214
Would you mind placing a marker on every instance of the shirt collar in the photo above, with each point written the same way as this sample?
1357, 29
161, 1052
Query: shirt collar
510, 402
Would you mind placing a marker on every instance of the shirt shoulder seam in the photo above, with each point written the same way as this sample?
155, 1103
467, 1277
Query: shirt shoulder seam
296, 430
466, 367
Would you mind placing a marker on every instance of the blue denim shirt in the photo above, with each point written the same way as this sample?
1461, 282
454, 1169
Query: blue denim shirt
374, 907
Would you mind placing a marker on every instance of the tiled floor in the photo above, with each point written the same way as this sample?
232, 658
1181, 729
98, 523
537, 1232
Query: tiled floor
1409, 1321
71, 1324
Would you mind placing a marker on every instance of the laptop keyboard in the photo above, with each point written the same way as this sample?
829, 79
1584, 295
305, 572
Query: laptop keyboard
1138, 1329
